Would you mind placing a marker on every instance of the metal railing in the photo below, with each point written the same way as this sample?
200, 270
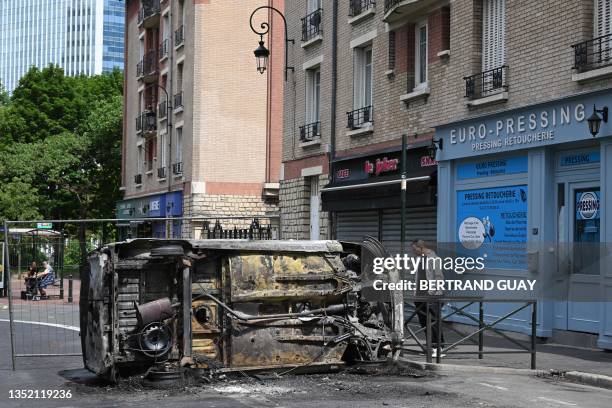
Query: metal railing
163, 49
148, 65
178, 100
179, 36
149, 9
592, 54
255, 231
177, 168
486, 83
357, 7
389, 4
311, 25
161, 172
138, 179
434, 308
359, 117
310, 132
146, 122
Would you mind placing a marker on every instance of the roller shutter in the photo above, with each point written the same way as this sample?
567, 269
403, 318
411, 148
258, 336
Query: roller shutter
421, 223
353, 226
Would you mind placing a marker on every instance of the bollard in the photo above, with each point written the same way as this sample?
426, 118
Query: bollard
61, 295
69, 288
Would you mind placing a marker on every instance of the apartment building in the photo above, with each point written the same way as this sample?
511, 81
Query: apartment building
84, 37
202, 129
505, 105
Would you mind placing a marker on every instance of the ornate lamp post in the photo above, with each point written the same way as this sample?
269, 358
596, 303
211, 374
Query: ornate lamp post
262, 53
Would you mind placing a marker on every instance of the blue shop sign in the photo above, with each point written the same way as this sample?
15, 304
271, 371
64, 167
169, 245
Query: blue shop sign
155, 206
492, 223
579, 159
492, 167
545, 124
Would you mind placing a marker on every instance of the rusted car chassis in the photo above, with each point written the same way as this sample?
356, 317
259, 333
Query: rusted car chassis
210, 306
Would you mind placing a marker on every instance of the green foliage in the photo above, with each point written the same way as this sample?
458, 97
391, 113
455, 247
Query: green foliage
60, 146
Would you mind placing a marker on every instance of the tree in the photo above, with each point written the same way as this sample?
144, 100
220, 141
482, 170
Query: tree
4, 96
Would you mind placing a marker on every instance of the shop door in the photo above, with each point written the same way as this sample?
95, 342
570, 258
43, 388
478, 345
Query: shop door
583, 254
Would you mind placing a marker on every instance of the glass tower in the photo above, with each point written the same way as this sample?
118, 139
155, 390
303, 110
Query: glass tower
81, 36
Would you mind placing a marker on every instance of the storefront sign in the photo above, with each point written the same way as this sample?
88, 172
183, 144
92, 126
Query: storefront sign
44, 225
579, 159
540, 125
381, 166
158, 205
587, 205
492, 223
494, 167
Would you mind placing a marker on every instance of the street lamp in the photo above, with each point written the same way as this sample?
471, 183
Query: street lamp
595, 121
262, 53
436, 144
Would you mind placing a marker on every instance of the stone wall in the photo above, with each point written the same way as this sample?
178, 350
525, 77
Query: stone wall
295, 209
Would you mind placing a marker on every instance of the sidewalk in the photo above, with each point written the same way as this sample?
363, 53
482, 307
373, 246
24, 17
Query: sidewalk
549, 357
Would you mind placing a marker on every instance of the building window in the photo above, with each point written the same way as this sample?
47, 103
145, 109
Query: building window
162, 150
140, 161
363, 78
391, 52
603, 20
150, 152
421, 56
313, 95
493, 34
179, 145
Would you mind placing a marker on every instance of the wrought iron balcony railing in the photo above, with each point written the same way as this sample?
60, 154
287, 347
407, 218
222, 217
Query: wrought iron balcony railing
593, 54
310, 132
163, 49
357, 7
148, 65
177, 168
138, 179
179, 36
161, 172
149, 8
359, 117
146, 122
486, 83
178, 100
311, 25
389, 4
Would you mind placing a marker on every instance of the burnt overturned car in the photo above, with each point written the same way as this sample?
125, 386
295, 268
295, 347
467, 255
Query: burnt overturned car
214, 306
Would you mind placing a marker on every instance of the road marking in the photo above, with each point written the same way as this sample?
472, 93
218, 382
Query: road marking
568, 404
497, 387
61, 326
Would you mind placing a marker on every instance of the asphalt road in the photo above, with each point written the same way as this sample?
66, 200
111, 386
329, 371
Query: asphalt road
343, 390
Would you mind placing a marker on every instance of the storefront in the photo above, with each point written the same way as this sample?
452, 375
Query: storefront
364, 197
154, 206
529, 187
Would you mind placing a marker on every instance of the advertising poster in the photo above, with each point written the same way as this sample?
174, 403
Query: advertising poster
492, 223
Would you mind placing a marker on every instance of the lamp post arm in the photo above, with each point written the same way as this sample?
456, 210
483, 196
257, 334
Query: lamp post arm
265, 28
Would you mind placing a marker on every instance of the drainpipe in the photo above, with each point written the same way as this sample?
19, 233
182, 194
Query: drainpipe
334, 103
169, 112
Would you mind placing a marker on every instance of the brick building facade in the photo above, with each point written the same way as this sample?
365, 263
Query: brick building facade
213, 148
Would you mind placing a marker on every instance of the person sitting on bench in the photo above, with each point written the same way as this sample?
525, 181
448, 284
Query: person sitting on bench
30, 280
45, 278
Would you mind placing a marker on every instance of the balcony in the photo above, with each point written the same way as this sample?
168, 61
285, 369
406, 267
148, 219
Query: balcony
147, 69
177, 168
310, 133
146, 123
358, 7
487, 86
163, 50
179, 36
138, 179
161, 173
178, 101
593, 58
311, 26
408, 10
360, 118
148, 15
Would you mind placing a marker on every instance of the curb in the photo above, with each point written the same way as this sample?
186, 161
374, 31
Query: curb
596, 380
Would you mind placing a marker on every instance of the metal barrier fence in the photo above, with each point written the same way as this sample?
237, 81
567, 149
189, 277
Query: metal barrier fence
430, 309
43, 262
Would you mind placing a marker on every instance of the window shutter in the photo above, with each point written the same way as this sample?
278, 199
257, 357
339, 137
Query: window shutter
493, 34
603, 21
